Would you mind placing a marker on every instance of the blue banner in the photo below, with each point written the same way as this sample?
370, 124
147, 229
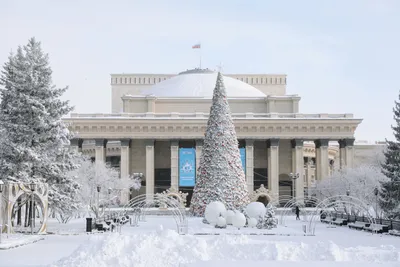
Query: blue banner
187, 167
243, 158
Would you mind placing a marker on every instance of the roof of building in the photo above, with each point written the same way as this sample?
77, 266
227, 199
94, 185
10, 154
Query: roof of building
201, 83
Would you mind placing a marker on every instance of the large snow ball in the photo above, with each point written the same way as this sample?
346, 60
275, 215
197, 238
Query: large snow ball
252, 222
221, 222
229, 216
255, 210
239, 220
213, 211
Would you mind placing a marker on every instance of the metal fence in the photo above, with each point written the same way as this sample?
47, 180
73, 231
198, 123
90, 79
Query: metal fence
393, 224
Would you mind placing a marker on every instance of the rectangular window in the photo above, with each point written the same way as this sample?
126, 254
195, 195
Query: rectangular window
120, 80
148, 80
154, 80
139, 81
159, 79
134, 80
130, 80
256, 80
125, 80
252, 81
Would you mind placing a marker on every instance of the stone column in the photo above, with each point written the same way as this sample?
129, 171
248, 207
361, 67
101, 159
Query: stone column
175, 164
199, 149
100, 146
346, 153
124, 167
149, 167
250, 165
322, 159
76, 144
298, 166
273, 166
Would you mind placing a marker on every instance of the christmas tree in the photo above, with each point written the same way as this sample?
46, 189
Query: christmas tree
220, 176
34, 140
390, 190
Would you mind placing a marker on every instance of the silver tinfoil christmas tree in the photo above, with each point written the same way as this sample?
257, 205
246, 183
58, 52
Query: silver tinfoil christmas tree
220, 176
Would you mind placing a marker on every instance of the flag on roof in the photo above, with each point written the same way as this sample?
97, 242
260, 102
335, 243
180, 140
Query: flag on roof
196, 46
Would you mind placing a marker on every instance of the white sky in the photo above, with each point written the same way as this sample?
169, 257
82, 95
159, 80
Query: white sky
340, 56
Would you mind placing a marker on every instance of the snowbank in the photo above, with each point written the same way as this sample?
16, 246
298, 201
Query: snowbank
167, 248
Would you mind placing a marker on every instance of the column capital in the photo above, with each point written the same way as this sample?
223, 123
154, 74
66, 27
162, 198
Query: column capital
100, 142
249, 142
272, 142
346, 142
174, 142
297, 143
321, 142
149, 142
199, 142
126, 142
76, 142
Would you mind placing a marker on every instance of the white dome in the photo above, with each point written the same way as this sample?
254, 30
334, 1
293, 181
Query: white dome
201, 83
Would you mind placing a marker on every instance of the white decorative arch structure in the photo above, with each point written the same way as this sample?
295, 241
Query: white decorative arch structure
336, 201
173, 192
262, 192
139, 206
297, 202
14, 191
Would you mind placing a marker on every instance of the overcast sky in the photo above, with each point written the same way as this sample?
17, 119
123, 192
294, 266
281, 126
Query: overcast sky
340, 56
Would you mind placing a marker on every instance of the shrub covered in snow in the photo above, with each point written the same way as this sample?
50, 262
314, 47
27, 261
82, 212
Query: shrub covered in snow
221, 222
252, 222
268, 221
213, 211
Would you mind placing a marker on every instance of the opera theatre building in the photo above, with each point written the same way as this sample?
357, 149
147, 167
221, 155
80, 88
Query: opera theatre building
157, 124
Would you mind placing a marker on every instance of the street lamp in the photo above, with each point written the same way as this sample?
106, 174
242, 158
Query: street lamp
348, 193
32, 187
1, 214
98, 199
294, 176
376, 192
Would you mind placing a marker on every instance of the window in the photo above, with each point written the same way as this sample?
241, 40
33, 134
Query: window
125, 80
280, 80
285, 80
154, 80
139, 80
148, 80
270, 80
134, 80
120, 80
159, 79
247, 80
252, 81
256, 80
130, 80
276, 80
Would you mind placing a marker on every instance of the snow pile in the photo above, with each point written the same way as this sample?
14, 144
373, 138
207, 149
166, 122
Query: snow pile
167, 248
17, 240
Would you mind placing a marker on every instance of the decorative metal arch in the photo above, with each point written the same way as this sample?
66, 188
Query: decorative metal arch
297, 202
335, 201
11, 194
139, 206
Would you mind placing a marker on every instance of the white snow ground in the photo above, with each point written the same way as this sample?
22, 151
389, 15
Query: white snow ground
146, 246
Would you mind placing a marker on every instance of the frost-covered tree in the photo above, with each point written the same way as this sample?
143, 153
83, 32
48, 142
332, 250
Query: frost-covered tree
34, 143
220, 176
390, 193
269, 220
359, 181
91, 175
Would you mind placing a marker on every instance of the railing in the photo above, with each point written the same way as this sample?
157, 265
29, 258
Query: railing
393, 224
203, 115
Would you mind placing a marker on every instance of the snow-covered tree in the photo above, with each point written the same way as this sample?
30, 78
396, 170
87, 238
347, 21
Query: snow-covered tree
390, 193
269, 220
360, 182
34, 143
91, 175
220, 176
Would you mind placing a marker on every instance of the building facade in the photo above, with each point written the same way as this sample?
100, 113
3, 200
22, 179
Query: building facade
155, 116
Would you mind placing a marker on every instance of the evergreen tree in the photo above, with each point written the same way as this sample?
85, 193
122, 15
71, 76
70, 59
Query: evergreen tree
220, 176
390, 190
34, 143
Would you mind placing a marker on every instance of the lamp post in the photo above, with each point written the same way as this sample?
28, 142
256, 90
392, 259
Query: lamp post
376, 191
32, 187
98, 199
1, 214
109, 198
294, 177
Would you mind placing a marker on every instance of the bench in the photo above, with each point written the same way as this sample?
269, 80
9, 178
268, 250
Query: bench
358, 225
378, 228
327, 220
339, 222
394, 232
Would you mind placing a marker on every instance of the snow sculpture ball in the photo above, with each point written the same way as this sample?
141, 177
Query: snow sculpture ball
252, 222
221, 222
239, 220
255, 210
229, 216
213, 211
